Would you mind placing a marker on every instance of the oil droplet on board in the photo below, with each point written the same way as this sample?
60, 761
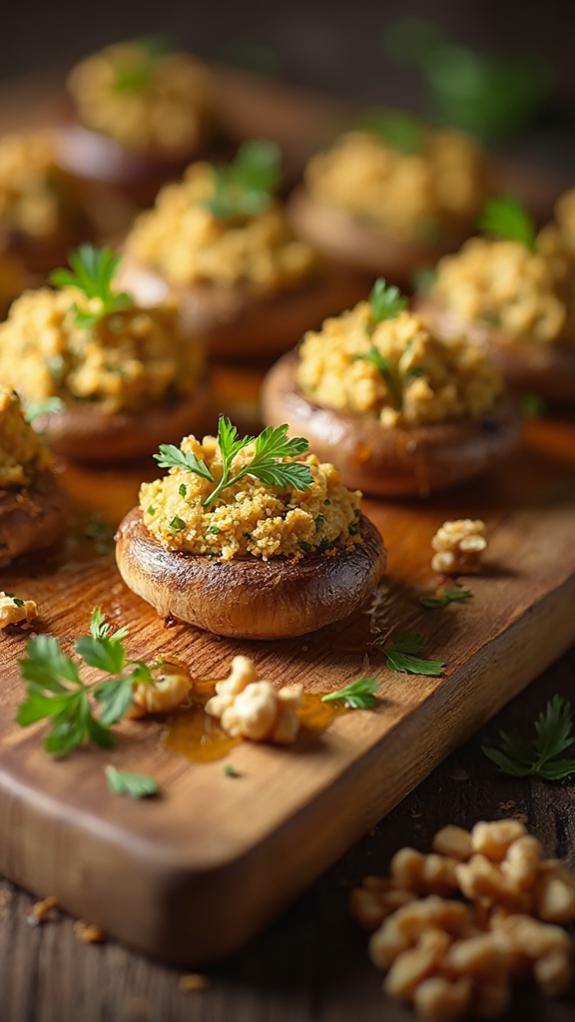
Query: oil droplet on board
192, 733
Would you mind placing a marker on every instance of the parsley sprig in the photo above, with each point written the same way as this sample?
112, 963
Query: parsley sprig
442, 598
92, 272
358, 695
135, 72
540, 755
246, 186
386, 302
506, 218
397, 128
56, 693
386, 369
403, 655
267, 464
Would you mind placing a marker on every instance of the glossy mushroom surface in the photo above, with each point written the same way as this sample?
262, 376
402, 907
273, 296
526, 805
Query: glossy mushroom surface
390, 461
248, 597
31, 518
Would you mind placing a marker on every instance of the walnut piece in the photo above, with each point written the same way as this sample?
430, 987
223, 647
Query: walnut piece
459, 547
169, 689
14, 611
254, 709
451, 957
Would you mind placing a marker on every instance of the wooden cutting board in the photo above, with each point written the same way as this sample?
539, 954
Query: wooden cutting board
194, 873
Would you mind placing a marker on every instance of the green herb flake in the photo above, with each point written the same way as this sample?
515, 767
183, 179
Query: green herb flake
506, 218
121, 782
444, 597
230, 771
50, 406
396, 128
151, 511
358, 695
385, 302
177, 524
182, 489
403, 655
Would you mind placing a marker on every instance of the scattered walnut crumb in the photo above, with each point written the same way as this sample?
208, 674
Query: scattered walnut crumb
169, 689
5, 901
14, 611
459, 547
193, 982
254, 709
88, 933
450, 957
42, 911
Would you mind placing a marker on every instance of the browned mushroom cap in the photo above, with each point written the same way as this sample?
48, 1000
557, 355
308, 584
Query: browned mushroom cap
239, 326
32, 518
97, 159
545, 368
83, 432
390, 461
247, 597
348, 240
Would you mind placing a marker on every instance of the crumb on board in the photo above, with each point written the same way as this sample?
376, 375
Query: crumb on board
42, 911
459, 547
193, 982
14, 611
88, 933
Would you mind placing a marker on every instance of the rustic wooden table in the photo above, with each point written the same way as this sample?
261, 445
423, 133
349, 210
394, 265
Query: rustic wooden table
311, 964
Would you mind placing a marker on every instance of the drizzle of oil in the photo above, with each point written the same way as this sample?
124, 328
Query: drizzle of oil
192, 733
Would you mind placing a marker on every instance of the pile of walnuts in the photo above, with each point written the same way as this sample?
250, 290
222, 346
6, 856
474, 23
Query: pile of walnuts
453, 929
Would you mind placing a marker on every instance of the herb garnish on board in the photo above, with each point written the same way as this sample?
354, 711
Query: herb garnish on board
540, 755
507, 219
266, 464
358, 695
57, 694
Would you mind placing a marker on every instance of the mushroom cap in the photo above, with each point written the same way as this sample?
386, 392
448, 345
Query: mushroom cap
390, 461
346, 239
243, 327
83, 432
247, 597
32, 518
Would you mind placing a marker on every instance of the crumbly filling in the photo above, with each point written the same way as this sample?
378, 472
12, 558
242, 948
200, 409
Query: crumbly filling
188, 244
146, 102
413, 195
126, 360
249, 517
250, 707
33, 200
22, 452
397, 372
459, 547
505, 286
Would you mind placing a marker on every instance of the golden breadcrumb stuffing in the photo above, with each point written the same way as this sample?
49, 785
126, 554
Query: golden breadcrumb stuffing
249, 707
187, 244
411, 195
418, 378
459, 547
22, 452
152, 102
248, 517
504, 286
127, 360
33, 198
14, 611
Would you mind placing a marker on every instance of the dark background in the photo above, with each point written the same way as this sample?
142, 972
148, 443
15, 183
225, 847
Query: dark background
331, 45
